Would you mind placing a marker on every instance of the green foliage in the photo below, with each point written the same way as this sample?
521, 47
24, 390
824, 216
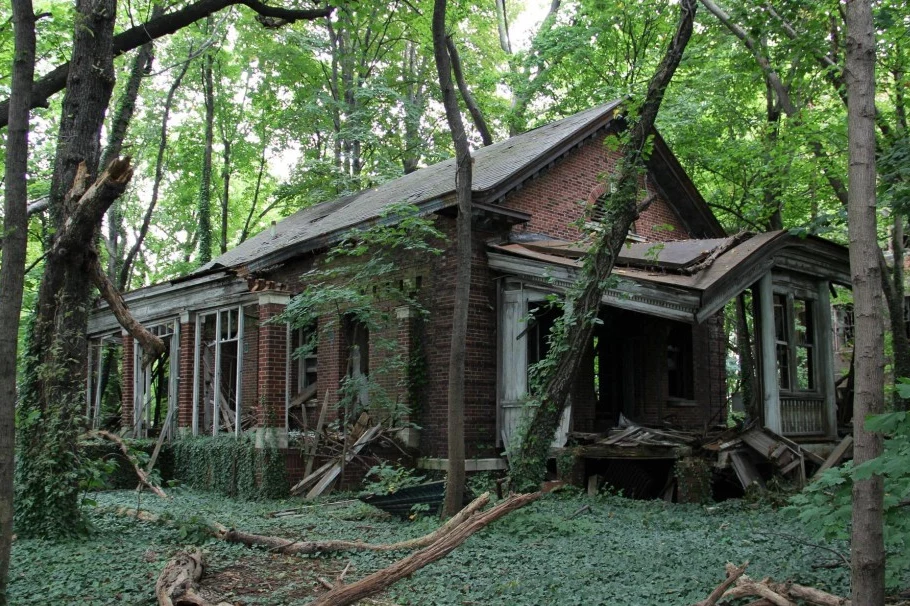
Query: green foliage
825, 506
387, 479
537, 555
230, 466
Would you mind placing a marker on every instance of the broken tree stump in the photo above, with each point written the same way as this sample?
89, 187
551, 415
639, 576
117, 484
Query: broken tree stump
179, 579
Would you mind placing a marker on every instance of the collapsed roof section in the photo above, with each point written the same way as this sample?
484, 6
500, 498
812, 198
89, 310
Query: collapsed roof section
686, 280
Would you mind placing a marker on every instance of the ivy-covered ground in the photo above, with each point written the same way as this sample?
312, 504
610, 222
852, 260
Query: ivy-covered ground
616, 552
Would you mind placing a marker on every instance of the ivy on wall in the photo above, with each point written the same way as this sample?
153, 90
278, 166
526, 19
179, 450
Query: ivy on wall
231, 466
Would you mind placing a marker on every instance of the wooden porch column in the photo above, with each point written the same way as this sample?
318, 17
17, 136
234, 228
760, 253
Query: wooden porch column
770, 387
824, 335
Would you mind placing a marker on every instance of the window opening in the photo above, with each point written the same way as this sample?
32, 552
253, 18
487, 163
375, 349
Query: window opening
794, 334
680, 383
358, 339
219, 377
155, 386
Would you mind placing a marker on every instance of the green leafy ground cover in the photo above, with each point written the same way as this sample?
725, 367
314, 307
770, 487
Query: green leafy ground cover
618, 552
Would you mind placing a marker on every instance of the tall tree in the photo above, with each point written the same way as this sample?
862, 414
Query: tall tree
54, 372
571, 337
867, 541
204, 212
463, 176
12, 267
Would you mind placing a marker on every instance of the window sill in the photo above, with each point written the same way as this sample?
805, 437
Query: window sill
681, 403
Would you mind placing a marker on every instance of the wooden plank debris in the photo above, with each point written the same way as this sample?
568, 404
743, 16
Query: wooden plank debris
745, 469
337, 464
836, 456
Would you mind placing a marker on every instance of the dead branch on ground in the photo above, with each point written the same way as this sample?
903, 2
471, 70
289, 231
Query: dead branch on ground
739, 585
342, 595
143, 477
288, 546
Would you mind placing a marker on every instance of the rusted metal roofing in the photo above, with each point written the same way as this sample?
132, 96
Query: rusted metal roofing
430, 188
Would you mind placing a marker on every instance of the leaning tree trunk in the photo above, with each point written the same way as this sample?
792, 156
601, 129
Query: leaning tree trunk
12, 267
55, 365
867, 543
456, 473
572, 334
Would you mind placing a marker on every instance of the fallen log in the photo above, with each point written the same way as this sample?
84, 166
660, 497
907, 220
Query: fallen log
143, 477
739, 585
733, 573
289, 546
342, 595
179, 579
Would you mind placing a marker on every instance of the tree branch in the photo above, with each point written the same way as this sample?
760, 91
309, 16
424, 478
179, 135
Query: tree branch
152, 345
469, 100
55, 81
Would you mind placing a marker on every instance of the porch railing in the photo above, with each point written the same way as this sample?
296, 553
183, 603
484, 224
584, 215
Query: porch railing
803, 416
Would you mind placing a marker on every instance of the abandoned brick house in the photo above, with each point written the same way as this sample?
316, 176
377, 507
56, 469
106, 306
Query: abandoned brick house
658, 358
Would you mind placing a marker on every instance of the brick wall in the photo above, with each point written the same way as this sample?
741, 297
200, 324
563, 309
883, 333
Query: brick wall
126, 390
249, 383
480, 360
558, 197
185, 380
272, 358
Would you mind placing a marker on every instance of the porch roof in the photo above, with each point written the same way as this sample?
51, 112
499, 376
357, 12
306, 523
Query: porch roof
687, 280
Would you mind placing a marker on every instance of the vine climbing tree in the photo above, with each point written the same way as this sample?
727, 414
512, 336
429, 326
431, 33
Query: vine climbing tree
570, 336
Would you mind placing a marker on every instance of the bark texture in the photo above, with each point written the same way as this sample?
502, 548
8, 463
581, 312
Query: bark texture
463, 176
204, 211
55, 363
476, 115
12, 266
867, 543
621, 208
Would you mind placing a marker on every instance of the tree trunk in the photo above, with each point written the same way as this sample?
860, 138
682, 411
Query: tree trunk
463, 175
51, 400
12, 267
867, 543
469, 100
205, 191
571, 337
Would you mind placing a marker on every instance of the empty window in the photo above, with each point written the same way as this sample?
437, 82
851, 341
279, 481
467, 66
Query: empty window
680, 382
794, 336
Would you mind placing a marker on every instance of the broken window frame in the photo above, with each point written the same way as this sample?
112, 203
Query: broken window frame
94, 375
786, 340
219, 340
168, 331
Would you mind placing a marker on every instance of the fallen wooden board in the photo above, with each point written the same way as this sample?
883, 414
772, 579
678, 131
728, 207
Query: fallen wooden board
620, 436
335, 469
745, 470
836, 455
309, 479
311, 456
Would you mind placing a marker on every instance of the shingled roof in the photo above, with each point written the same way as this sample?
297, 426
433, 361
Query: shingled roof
496, 168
